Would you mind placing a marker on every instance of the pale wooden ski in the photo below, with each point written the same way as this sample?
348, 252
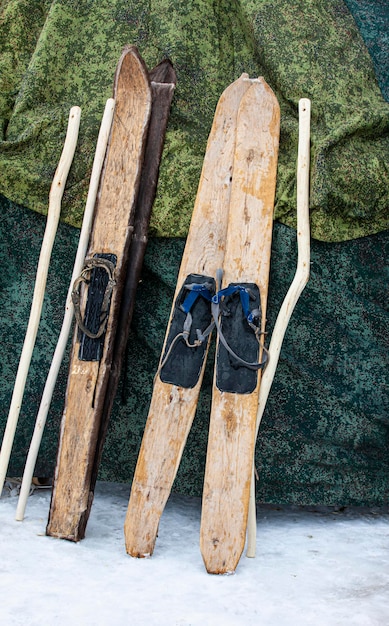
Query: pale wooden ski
232, 430
173, 405
105, 268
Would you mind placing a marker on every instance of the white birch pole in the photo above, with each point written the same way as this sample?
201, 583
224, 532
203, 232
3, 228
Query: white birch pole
54, 210
51, 380
300, 280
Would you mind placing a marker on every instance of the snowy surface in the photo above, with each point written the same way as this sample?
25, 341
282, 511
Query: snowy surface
312, 568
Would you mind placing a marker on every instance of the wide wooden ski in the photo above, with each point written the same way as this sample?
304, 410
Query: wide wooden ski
104, 276
246, 267
179, 378
163, 81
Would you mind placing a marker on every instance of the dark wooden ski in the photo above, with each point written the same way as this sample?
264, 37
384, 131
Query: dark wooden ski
99, 291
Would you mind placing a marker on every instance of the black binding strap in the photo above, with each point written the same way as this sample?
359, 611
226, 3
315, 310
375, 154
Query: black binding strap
98, 274
189, 331
236, 312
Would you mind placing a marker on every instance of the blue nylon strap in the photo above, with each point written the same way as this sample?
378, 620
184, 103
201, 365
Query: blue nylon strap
244, 298
195, 291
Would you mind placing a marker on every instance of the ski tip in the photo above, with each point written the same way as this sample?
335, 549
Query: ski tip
164, 72
235, 90
259, 81
261, 91
129, 50
166, 86
131, 60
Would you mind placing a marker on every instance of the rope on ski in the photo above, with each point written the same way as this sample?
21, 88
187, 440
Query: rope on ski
91, 264
196, 290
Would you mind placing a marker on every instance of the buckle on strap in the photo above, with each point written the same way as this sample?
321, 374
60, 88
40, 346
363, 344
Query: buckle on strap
251, 317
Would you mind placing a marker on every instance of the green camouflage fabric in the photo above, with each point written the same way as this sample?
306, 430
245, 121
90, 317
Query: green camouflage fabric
325, 433
324, 436
54, 55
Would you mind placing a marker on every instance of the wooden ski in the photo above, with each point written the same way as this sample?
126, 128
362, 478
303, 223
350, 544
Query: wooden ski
179, 378
104, 274
163, 80
242, 301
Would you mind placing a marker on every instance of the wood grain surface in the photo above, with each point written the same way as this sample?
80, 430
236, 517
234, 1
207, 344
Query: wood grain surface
173, 408
111, 233
247, 259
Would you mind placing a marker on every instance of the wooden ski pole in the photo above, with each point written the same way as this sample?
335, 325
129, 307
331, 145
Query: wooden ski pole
55, 198
300, 280
101, 148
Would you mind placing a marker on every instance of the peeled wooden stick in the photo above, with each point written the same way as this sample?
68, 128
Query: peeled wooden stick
101, 148
294, 292
55, 198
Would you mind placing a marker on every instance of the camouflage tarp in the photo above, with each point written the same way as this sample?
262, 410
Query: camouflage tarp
62, 53
325, 433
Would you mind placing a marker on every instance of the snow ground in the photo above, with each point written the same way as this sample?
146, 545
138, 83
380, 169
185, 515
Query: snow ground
312, 568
